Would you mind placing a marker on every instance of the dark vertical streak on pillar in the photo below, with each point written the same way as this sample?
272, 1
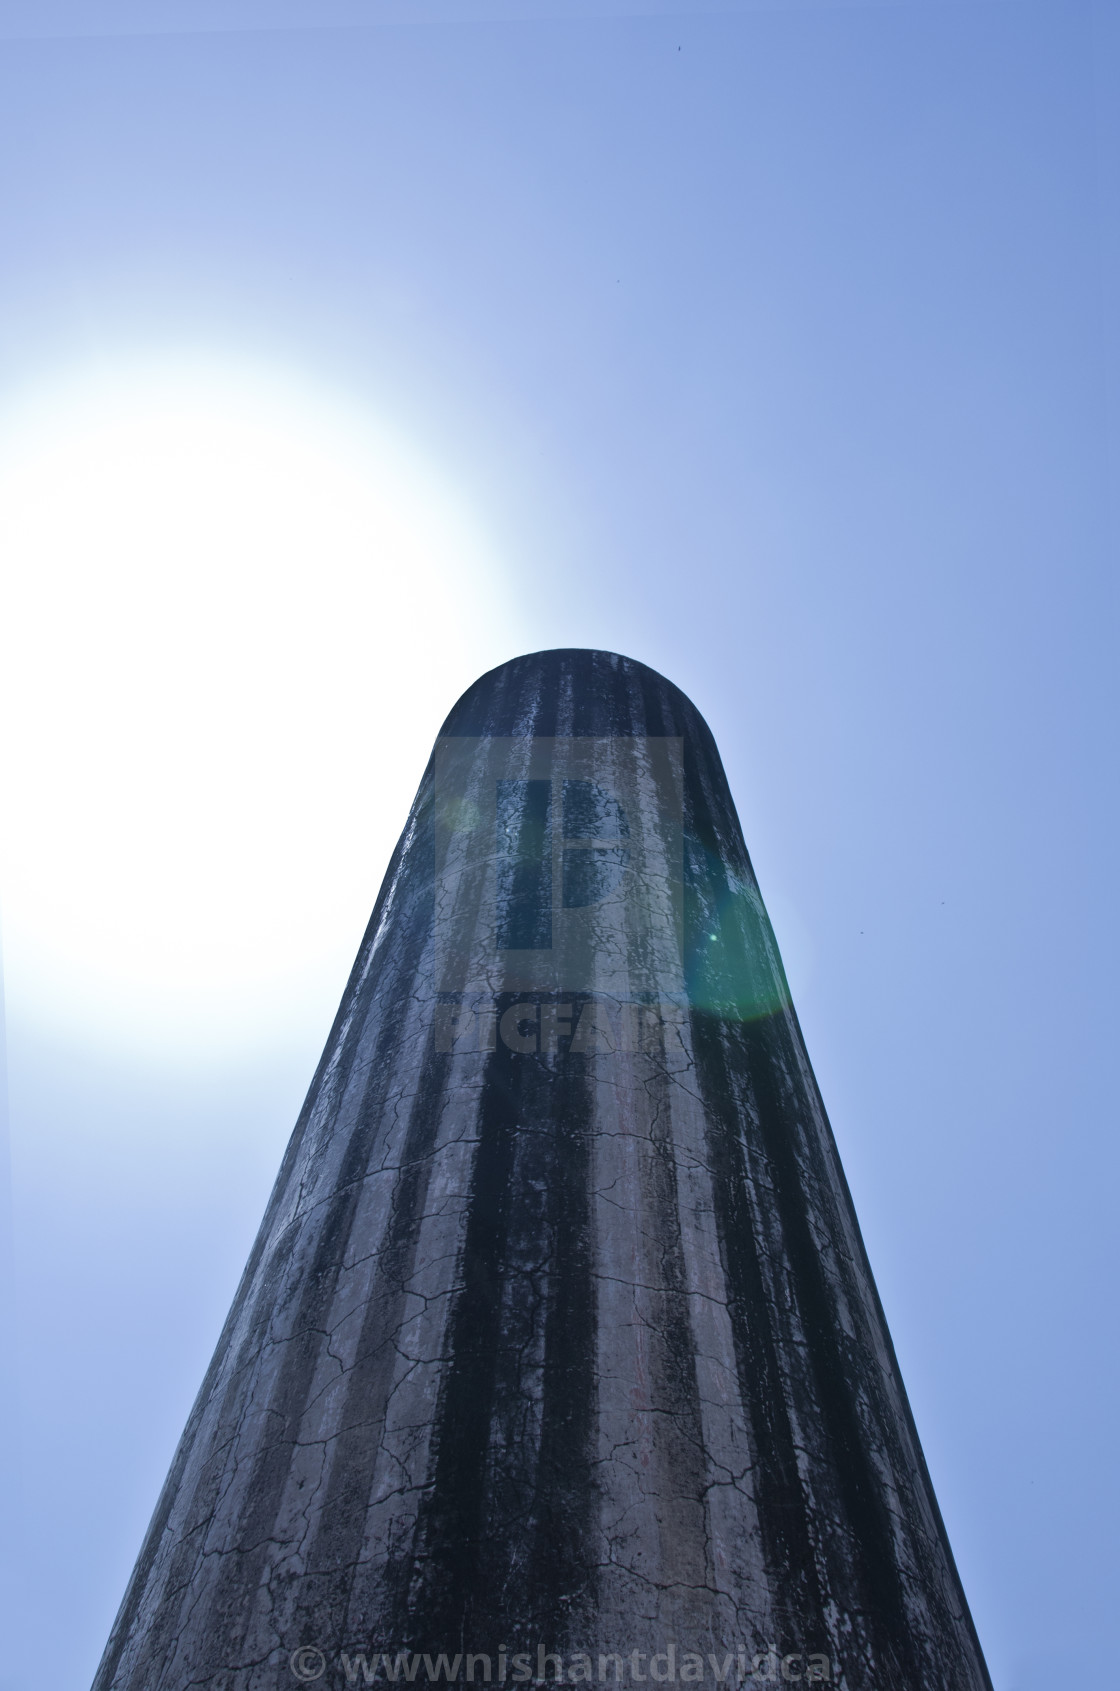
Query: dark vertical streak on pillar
524, 865
501, 1537
331, 1596
560, 1583
674, 1390
438, 1607
787, 1542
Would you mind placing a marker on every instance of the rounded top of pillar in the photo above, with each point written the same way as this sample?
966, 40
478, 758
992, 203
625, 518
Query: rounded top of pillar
574, 690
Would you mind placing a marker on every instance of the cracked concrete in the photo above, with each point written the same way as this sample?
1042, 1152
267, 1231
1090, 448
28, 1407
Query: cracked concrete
576, 1346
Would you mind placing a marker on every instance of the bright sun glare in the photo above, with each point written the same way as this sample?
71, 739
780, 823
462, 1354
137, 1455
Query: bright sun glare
234, 612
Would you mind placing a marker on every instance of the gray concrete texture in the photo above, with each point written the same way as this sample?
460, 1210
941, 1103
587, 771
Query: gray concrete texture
558, 1347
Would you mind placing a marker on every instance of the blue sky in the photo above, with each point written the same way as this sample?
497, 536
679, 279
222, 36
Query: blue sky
772, 345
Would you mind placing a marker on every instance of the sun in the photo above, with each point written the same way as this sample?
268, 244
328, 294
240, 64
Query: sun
233, 610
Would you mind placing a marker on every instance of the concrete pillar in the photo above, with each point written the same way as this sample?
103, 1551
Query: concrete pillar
558, 1353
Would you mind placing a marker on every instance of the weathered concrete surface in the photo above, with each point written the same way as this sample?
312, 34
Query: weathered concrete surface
576, 1347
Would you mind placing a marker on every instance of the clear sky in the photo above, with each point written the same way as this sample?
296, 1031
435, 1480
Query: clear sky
349, 348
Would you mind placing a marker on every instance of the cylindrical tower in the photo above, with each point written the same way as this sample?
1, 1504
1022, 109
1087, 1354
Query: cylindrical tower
558, 1355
